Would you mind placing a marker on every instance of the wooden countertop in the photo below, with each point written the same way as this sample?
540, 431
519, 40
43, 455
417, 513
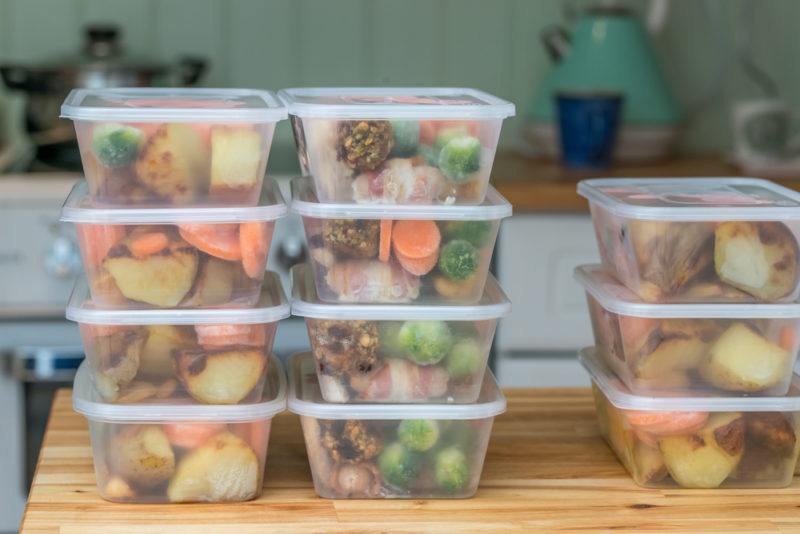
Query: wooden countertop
547, 469
546, 186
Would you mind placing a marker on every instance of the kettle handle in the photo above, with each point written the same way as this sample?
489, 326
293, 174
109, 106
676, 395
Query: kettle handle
191, 69
556, 42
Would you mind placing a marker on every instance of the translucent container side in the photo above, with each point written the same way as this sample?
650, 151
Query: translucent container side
390, 459
394, 102
305, 398
306, 303
721, 260
161, 104
415, 361
180, 462
715, 356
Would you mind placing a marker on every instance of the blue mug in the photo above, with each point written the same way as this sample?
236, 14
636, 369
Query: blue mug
588, 124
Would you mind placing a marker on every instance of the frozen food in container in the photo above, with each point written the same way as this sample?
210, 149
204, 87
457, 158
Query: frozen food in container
209, 356
399, 253
171, 452
697, 441
398, 352
722, 349
698, 240
174, 257
389, 145
392, 451
174, 146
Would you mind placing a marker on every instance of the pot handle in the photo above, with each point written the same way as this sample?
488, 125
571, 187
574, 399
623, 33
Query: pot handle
191, 69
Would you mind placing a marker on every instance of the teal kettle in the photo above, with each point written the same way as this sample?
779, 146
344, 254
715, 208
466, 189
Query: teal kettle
610, 50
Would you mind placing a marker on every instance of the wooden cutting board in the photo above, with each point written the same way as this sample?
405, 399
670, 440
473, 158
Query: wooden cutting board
547, 469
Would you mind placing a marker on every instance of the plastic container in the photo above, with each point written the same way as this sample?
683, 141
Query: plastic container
700, 349
429, 145
698, 240
167, 146
174, 257
398, 353
209, 356
395, 254
698, 442
392, 451
174, 452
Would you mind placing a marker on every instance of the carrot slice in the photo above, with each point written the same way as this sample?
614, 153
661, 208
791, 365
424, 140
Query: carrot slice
148, 244
218, 240
415, 239
385, 249
648, 438
254, 239
787, 339
418, 266
97, 239
666, 423
191, 435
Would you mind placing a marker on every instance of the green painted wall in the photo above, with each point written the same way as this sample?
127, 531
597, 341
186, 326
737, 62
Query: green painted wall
489, 44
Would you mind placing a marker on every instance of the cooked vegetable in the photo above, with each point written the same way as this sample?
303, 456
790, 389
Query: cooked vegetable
116, 145
254, 241
235, 157
144, 245
476, 232
415, 239
460, 158
398, 465
214, 284
219, 240
220, 377
162, 340
389, 338
452, 469
141, 455
96, 240
418, 266
464, 359
385, 247
191, 435
425, 342
458, 259
406, 138
418, 434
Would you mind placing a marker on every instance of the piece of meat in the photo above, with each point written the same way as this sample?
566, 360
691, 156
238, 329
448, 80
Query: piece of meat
402, 381
372, 281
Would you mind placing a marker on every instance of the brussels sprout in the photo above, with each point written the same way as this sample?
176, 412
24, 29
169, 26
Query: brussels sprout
452, 470
430, 153
398, 465
388, 338
464, 359
418, 434
476, 232
116, 145
425, 342
460, 158
458, 259
406, 138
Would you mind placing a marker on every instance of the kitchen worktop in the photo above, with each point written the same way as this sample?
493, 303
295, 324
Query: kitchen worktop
537, 185
547, 469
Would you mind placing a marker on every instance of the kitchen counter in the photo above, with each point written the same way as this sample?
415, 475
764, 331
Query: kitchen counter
546, 186
547, 468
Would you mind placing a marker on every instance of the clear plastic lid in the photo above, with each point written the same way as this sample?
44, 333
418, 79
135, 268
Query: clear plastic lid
272, 306
613, 388
693, 199
305, 398
493, 304
79, 208
617, 298
394, 102
88, 402
166, 104
306, 203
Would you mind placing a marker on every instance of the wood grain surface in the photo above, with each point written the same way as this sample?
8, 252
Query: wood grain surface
547, 469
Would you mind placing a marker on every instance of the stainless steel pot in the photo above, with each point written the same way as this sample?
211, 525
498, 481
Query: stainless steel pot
101, 63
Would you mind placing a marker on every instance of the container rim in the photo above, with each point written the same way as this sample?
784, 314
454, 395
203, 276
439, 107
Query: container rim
87, 402
272, 110
590, 189
305, 203
272, 306
303, 383
305, 303
79, 208
486, 106
616, 298
619, 396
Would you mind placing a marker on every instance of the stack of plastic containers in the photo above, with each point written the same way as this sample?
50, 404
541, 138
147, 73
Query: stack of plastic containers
177, 313
696, 329
395, 398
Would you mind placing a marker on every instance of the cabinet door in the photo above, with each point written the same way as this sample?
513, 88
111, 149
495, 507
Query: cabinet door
535, 257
